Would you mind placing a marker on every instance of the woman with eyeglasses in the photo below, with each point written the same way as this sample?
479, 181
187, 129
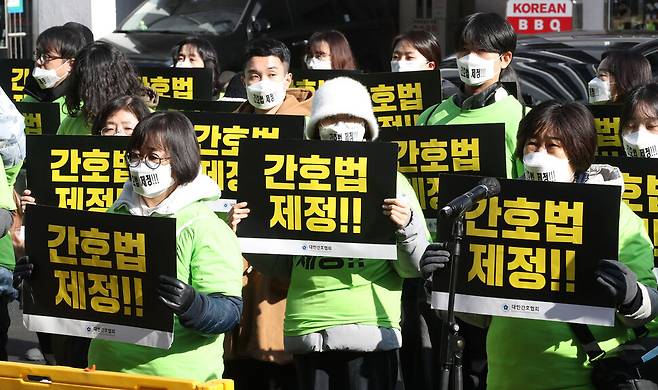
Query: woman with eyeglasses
120, 116
205, 295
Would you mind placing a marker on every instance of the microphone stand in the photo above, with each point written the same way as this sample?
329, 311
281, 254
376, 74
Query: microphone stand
452, 346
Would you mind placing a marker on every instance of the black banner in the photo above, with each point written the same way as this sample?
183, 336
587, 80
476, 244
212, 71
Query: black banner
40, 118
321, 198
96, 275
77, 172
640, 191
219, 137
167, 104
178, 83
14, 73
531, 252
426, 151
397, 98
607, 121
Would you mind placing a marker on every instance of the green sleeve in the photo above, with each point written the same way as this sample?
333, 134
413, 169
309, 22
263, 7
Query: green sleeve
635, 247
12, 173
216, 260
424, 116
74, 125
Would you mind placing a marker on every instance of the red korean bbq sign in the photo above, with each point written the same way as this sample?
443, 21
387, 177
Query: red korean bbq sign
540, 16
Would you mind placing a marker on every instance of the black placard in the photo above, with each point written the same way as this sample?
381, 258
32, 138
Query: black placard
178, 83
531, 252
14, 73
321, 198
607, 119
40, 118
96, 275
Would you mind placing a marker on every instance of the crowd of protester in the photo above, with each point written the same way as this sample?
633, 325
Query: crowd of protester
269, 324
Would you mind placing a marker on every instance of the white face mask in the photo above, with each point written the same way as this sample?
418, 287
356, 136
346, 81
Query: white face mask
318, 64
408, 66
266, 94
148, 182
541, 166
46, 78
475, 70
641, 143
342, 131
598, 90
183, 64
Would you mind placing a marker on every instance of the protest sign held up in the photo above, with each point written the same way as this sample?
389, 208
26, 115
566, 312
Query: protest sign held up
426, 151
219, 138
77, 172
317, 198
97, 277
640, 191
607, 121
531, 252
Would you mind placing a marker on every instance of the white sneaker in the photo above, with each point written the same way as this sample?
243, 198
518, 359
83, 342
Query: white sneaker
34, 355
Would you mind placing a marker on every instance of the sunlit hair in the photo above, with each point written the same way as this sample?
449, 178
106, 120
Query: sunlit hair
342, 57
100, 73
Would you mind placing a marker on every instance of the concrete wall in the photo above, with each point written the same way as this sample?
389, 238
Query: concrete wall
98, 15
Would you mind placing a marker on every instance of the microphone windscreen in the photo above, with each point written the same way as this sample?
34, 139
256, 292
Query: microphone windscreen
492, 184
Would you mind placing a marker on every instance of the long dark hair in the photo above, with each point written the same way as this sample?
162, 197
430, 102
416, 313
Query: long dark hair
341, 52
207, 53
100, 73
629, 69
642, 100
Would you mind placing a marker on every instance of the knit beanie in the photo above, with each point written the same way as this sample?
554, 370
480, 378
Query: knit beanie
346, 96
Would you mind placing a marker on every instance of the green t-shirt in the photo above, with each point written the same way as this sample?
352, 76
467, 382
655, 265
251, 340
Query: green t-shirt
534, 354
74, 125
327, 291
507, 110
209, 259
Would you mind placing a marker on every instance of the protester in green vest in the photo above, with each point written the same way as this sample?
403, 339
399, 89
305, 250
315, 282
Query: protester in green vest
485, 45
100, 73
205, 295
557, 142
342, 325
55, 53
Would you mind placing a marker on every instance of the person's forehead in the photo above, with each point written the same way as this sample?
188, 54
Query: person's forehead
189, 49
320, 46
405, 46
264, 63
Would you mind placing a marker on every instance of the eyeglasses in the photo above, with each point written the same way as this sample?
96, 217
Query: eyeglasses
151, 160
112, 131
44, 58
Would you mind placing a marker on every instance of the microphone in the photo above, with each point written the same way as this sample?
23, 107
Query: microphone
487, 188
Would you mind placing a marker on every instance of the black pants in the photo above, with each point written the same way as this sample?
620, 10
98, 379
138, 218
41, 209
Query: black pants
339, 370
251, 374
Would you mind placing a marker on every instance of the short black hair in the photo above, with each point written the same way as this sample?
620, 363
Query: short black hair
208, 55
133, 104
80, 28
629, 70
571, 122
265, 47
175, 133
63, 41
643, 101
485, 31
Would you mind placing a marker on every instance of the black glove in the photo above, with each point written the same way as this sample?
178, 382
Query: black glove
620, 283
22, 271
176, 295
434, 258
